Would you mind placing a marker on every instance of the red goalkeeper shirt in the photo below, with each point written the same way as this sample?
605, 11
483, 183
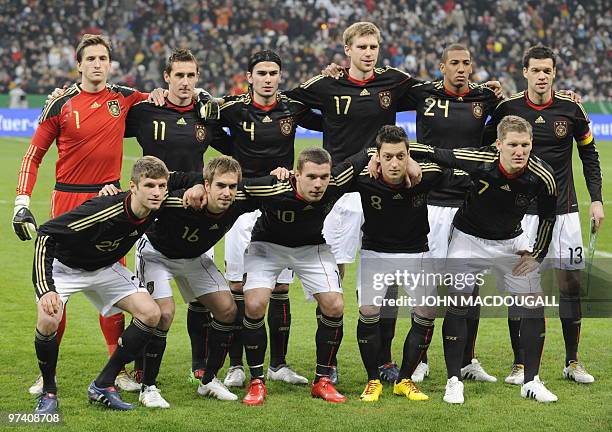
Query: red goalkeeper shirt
89, 131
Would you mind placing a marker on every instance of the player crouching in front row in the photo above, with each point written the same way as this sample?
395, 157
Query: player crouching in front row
394, 239
175, 247
78, 252
289, 234
507, 178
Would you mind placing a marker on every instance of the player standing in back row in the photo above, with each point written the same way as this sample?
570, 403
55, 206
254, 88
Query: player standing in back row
556, 121
354, 108
262, 124
451, 113
175, 133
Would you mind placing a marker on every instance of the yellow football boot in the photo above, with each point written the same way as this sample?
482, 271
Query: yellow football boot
407, 388
372, 391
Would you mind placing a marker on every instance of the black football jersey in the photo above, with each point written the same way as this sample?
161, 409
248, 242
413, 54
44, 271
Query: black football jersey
96, 234
187, 233
289, 220
263, 136
174, 134
396, 217
555, 127
497, 201
354, 111
448, 120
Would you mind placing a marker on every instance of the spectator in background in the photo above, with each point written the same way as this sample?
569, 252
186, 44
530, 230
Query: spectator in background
17, 97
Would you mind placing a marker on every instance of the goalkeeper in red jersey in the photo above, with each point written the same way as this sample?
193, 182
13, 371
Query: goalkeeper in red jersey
87, 122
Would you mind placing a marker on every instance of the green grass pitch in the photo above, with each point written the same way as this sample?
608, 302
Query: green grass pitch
488, 406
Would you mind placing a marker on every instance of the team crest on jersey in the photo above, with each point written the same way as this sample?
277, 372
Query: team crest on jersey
418, 200
286, 126
113, 108
561, 128
385, 99
477, 109
522, 200
151, 287
200, 132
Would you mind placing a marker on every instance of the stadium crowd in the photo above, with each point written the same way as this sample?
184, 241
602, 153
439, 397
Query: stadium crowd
37, 54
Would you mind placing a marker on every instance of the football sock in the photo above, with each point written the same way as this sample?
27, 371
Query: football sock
220, 335
133, 340
112, 329
532, 333
235, 351
154, 352
454, 329
62, 327
328, 339
139, 361
368, 339
318, 313
279, 322
198, 322
424, 356
472, 321
570, 313
388, 318
416, 344
255, 343
47, 350
514, 326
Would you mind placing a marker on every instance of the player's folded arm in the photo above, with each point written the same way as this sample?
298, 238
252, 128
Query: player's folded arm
266, 188
345, 173
469, 160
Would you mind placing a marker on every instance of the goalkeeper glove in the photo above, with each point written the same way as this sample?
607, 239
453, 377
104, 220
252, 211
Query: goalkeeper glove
24, 223
208, 108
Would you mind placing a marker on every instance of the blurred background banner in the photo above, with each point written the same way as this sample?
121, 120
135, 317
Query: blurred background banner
20, 122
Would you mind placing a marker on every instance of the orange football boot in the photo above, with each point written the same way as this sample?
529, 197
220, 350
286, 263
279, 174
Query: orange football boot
325, 390
257, 393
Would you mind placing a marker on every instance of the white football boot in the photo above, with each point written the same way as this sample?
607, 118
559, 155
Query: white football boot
535, 389
474, 371
517, 375
576, 372
216, 389
454, 391
286, 374
421, 371
127, 383
152, 398
235, 377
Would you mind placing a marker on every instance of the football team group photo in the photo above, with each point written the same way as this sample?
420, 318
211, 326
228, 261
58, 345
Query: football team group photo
226, 218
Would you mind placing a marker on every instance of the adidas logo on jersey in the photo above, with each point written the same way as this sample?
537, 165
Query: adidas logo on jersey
308, 207
266, 119
398, 196
95, 105
540, 120
506, 188
181, 122
214, 227
364, 92
134, 233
